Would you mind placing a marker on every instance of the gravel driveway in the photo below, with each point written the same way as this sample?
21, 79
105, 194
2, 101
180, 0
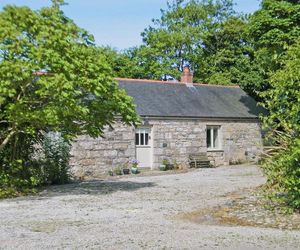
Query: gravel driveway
137, 213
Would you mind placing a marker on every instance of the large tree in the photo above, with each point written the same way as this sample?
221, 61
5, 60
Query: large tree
272, 29
219, 45
206, 35
283, 122
52, 79
127, 63
225, 55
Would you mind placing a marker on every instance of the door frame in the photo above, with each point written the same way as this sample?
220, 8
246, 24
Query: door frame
151, 141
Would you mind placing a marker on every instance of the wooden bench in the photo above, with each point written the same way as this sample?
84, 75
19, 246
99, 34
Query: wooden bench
199, 161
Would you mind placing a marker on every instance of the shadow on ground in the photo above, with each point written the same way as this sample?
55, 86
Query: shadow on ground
94, 188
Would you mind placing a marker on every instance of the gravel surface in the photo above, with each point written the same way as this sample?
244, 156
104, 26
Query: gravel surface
137, 213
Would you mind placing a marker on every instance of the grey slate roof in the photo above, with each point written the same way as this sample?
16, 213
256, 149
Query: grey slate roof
166, 99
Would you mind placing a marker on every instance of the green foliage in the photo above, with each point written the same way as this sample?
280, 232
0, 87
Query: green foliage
16, 178
61, 99
226, 54
53, 78
276, 25
17, 175
127, 64
178, 37
271, 30
220, 46
54, 163
282, 100
118, 170
49, 165
283, 171
206, 35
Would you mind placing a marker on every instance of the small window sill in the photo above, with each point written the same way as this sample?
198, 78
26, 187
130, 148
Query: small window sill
215, 150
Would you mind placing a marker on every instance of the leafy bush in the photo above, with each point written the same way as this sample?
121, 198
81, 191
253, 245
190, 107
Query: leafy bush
283, 121
60, 82
16, 178
55, 164
45, 164
283, 171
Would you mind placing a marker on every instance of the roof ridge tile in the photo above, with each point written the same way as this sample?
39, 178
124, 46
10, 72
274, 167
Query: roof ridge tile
178, 83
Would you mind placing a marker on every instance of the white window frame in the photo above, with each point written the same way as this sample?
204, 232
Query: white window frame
142, 132
213, 147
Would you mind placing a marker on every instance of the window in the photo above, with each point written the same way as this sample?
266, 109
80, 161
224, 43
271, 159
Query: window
213, 140
142, 137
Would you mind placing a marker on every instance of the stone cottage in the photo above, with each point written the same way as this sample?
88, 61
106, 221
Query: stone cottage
179, 119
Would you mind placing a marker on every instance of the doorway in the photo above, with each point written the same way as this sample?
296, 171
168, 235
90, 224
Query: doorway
143, 146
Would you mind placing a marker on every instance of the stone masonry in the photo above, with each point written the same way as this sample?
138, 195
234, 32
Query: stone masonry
172, 139
94, 157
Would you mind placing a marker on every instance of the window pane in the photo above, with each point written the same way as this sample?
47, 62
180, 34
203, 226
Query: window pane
142, 140
208, 141
146, 139
215, 136
137, 139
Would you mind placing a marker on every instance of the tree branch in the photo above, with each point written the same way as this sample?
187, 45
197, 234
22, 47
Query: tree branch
6, 140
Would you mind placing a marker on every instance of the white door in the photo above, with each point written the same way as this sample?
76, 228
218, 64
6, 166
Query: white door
143, 145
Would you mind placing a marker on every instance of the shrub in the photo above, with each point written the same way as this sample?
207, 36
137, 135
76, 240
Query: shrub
46, 163
118, 170
54, 167
283, 171
283, 122
16, 178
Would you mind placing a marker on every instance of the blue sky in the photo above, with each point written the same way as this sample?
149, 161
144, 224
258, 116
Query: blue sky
117, 23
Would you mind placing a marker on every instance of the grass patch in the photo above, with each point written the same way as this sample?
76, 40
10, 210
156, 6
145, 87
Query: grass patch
215, 216
246, 208
12, 192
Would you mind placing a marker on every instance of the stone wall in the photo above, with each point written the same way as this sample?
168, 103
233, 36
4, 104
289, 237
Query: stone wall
175, 140
94, 157
172, 139
241, 141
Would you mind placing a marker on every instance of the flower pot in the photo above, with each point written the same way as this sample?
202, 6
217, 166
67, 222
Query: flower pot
126, 171
118, 171
134, 170
163, 168
170, 166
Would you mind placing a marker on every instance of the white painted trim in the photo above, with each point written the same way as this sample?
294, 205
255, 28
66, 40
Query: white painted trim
152, 146
215, 150
144, 146
219, 138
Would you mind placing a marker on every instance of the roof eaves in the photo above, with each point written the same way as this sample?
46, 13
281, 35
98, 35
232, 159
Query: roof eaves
201, 117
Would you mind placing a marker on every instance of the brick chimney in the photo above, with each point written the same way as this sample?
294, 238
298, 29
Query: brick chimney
187, 75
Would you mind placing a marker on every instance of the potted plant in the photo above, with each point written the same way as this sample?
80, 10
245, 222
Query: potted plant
163, 165
118, 171
126, 170
111, 172
175, 164
170, 166
134, 166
